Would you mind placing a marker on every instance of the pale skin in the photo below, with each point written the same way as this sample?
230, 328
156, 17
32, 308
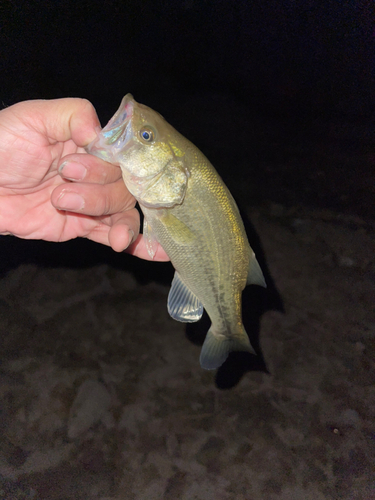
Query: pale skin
50, 189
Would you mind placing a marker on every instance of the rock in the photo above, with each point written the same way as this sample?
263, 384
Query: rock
346, 261
41, 460
350, 418
90, 405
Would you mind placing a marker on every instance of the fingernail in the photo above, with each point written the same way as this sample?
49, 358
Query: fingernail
72, 171
70, 201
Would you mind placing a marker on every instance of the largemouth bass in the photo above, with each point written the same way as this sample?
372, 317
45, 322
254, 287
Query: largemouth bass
187, 209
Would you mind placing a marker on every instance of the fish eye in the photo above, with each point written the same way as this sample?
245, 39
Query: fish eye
147, 134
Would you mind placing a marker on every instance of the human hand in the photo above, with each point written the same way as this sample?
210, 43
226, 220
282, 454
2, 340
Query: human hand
41, 153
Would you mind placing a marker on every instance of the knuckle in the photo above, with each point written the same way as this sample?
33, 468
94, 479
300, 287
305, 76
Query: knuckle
86, 105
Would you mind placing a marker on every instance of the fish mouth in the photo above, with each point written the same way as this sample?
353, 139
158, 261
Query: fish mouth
116, 134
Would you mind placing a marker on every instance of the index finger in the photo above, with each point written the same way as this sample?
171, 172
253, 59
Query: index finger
83, 167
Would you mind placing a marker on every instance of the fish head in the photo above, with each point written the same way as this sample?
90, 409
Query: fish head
146, 147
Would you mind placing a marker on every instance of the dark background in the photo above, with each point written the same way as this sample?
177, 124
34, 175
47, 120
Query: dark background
278, 94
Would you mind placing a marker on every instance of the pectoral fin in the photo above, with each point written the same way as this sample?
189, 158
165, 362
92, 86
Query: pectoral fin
151, 241
183, 305
255, 274
177, 230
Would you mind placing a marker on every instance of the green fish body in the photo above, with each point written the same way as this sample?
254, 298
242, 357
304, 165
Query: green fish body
191, 213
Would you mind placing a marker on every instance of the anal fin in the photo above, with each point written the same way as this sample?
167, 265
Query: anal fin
183, 305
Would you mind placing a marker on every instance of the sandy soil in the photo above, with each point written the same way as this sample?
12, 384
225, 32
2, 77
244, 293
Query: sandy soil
103, 396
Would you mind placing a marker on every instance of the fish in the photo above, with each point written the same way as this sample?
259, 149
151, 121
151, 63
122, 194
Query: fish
190, 212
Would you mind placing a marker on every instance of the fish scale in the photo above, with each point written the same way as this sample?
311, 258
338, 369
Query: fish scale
190, 212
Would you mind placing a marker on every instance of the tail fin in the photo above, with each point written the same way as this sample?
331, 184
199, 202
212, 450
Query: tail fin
217, 346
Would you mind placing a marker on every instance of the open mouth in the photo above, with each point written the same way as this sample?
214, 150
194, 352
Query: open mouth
114, 136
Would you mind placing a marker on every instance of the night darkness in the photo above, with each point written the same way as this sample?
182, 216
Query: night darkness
278, 94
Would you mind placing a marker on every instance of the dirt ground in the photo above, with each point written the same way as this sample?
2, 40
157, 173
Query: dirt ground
103, 397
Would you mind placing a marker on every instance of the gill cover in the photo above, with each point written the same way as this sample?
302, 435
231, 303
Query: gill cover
167, 189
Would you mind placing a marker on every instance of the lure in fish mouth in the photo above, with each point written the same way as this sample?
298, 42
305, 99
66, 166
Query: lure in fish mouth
190, 212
